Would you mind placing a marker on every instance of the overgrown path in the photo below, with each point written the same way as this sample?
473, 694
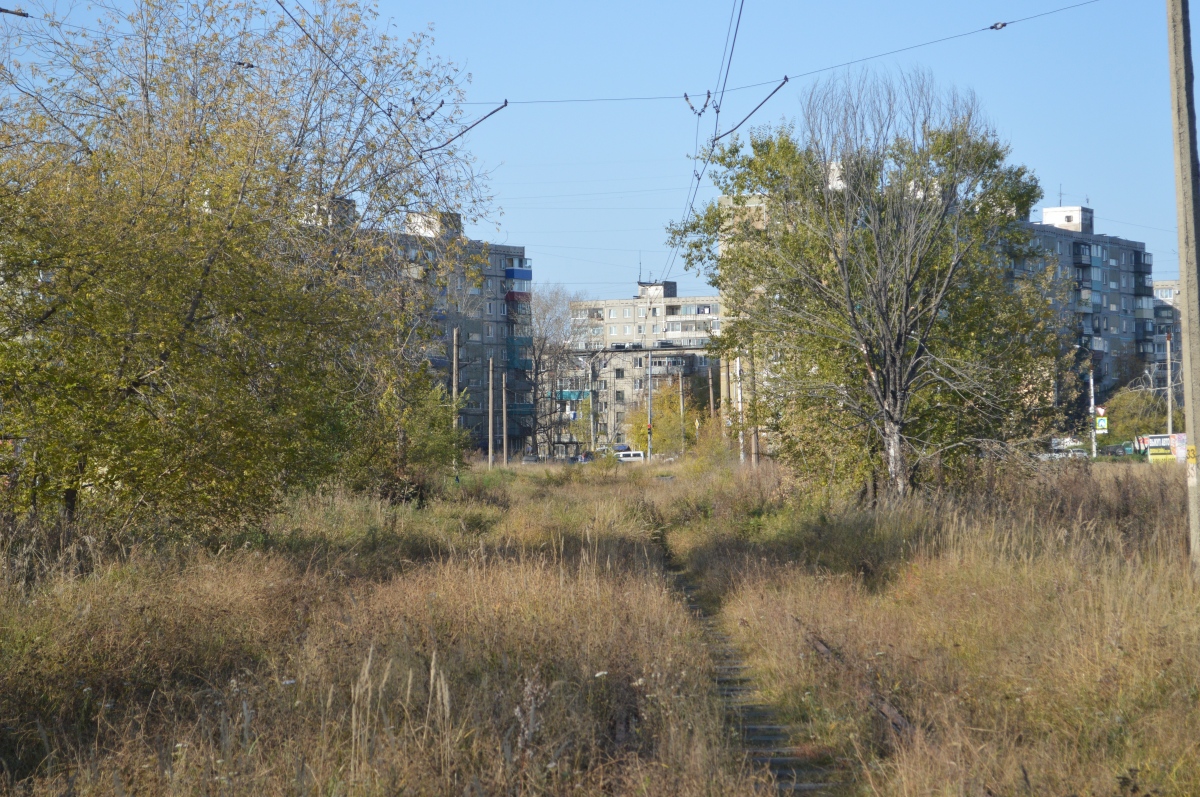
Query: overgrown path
755, 725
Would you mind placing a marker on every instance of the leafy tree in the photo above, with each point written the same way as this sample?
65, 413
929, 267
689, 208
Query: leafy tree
868, 263
1135, 412
671, 436
204, 302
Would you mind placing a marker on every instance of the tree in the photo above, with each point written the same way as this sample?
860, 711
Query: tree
1133, 412
868, 262
551, 355
204, 302
671, 434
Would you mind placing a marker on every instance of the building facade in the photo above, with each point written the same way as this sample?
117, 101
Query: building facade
487, 300
1111, 296
624, 348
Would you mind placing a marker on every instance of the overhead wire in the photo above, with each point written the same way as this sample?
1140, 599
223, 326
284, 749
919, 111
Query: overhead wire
664, 97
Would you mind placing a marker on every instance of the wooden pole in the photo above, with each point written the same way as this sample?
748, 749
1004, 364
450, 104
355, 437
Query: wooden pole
504, 412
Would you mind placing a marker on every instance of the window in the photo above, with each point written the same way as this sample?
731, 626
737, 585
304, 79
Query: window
638, 384
627, 330
489, 330
673, 326
620, 417
703, 309
619, 396
503, 309
619, 373
1124, 325
490, 309
612, 328
612, 312
627, 312
637, 363
716, 326
654, 329
474, 337
597, 331
641, 312
654, 311
641, 329
672, 309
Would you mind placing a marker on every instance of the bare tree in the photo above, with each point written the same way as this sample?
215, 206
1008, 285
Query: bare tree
868, 261
551, 357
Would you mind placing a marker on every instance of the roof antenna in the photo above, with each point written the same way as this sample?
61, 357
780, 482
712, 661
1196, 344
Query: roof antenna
639, 265
1060, 195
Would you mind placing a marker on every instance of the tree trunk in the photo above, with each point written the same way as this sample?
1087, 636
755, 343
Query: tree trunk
897, 463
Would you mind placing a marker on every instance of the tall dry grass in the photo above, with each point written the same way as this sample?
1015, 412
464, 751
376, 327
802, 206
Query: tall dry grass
1041, 632
518, 637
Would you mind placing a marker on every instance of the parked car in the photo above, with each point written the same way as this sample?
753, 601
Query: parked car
631, 456
1113, 451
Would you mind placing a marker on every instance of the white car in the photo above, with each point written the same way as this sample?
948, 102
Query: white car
631, 456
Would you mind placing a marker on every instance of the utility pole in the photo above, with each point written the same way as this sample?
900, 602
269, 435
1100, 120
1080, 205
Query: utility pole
712, 407
1170, 389
491, 413
504, 411
592, 401
741, 416
682, 428
454, 380
1092, 401
649, 406
1187, 209
754, 453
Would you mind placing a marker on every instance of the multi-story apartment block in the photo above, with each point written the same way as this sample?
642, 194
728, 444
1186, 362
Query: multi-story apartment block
621, 344
488, 303
1111, 292
1167, 321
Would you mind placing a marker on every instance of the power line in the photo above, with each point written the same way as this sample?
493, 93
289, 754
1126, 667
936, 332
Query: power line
663, 97
371, 99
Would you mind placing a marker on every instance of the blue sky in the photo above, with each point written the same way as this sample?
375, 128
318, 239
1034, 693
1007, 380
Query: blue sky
1081, 95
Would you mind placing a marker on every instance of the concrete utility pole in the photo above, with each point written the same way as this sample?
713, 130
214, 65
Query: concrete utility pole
1187, 183
741, 416
1170, 389
454, 380
682, 428
491, 413
649, 406
1092, 401
504, 412
712, 407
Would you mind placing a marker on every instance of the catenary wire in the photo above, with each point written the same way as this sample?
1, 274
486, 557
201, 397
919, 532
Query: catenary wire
663, 97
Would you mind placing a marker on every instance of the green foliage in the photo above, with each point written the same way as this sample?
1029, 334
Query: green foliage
194, 317
875, 264
668, 429
1132, 413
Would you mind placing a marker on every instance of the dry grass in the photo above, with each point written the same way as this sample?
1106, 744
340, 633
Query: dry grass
519, 637
1042, 634
1039, 630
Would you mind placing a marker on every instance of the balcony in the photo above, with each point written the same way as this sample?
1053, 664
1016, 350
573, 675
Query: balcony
520, 408
520, 363
572, 395
518, 296
520, 342
1143, 290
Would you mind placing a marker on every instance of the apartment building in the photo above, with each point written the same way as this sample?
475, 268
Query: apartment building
621, 344
1111, 283
489, 303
